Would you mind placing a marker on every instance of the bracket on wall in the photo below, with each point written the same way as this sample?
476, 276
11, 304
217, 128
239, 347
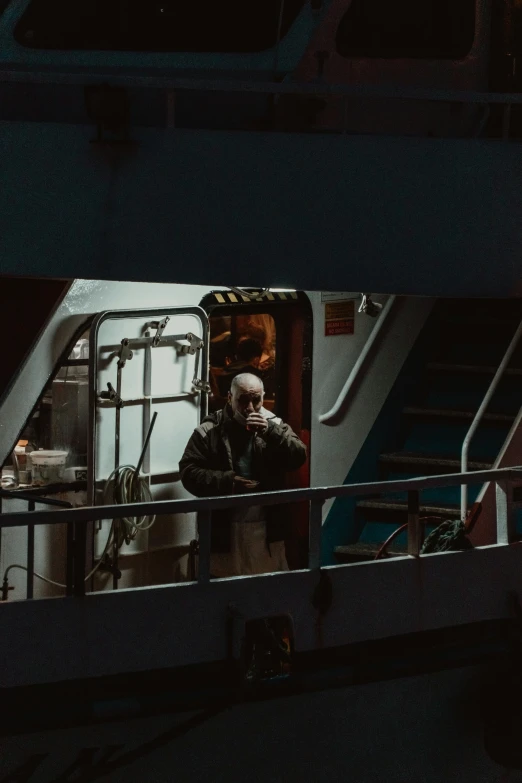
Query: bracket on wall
126, 353
190, 344
112, 395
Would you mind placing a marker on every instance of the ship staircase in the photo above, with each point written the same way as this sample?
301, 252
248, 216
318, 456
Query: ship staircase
439, 393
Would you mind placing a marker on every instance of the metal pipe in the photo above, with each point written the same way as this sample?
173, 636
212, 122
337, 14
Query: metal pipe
117, 426
30, 554
146, 444
315, 529
337, 412
204, 522
478, 416
16, 495
16, 467
414, 534
501, 453
69, 565
80, 551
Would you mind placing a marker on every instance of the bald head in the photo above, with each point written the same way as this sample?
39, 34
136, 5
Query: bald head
246, 380
246, 393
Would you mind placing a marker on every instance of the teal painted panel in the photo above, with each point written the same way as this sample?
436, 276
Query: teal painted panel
308, 211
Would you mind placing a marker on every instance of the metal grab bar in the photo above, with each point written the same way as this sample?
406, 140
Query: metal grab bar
32, 498
336, 413
514, 427
478, 416
185, 506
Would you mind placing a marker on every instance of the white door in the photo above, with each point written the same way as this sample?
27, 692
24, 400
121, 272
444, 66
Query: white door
144, 363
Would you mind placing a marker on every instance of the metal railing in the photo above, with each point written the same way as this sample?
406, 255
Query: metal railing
338, 410
318, 88
81, 517
480, 413
32, 499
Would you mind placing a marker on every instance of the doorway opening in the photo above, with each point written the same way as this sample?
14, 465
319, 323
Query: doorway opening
270, 337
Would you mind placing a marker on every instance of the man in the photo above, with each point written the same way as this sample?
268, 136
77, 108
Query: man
243, 448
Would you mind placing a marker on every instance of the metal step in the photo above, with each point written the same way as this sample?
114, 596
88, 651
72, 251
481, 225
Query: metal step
366, 551
445, 464
451, 512
446, 413
471, 369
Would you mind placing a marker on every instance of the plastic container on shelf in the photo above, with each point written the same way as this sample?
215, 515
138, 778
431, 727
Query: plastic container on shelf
48, 467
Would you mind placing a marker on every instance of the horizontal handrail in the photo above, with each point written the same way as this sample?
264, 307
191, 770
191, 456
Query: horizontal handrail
29, 497
480, 413
84, 76
339, 408
185, 506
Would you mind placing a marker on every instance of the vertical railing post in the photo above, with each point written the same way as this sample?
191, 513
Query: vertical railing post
69, 573
171, 109
315, 529
505, 512
479, 414
80, 552
506, 122
345, 114
414, 532
30, 553
204, 546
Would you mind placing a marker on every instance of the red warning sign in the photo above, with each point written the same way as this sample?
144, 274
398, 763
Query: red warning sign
339, 318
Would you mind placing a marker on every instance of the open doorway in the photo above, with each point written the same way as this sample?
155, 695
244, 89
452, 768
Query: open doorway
271, 338
242, 343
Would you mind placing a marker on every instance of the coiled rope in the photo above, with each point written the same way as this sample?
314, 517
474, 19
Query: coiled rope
125, 485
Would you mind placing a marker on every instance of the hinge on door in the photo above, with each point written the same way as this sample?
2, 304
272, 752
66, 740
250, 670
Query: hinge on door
196, 345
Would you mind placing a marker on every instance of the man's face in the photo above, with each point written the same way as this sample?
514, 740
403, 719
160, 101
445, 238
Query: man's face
247, 397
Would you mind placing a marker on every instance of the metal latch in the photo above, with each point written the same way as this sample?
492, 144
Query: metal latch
112, 395
160, 328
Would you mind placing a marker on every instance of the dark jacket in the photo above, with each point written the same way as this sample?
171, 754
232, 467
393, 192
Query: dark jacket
207, 469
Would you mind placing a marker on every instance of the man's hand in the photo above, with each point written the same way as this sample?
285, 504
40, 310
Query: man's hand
256, 423
244, 485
